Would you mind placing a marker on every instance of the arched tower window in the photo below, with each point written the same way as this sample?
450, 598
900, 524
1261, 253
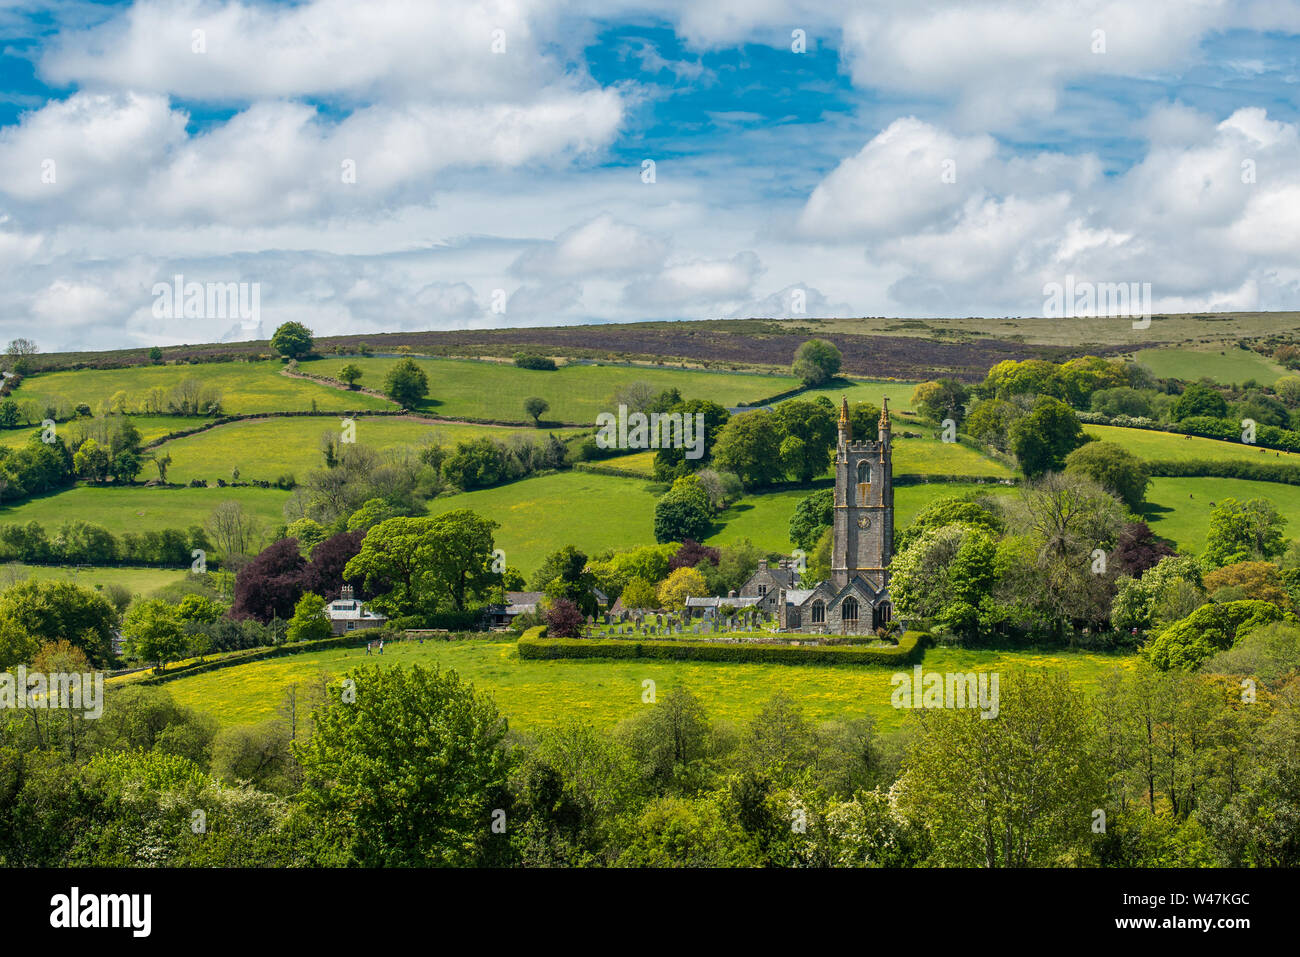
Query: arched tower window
819, 612
864, 473
849, 609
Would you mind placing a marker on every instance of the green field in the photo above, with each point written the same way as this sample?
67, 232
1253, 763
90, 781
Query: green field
595, 512
140, 581
1170, 447
246, 387
140, 509
150, 427
1225, 365
538, 515
930, 456
538, 694
577, 393
268, 448
1179, 508
765, 519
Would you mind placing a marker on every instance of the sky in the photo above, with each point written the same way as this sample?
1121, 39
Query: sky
401, 165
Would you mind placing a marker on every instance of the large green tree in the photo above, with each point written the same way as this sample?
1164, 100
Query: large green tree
1045, 436
1017, 790
406, 383
405, 768
423, 565
816, 362
1244, 531
750, 446
808, 432
1114, 468
54, 610
292, 339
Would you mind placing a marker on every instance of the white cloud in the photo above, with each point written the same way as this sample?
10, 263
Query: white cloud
696, 281
600, 246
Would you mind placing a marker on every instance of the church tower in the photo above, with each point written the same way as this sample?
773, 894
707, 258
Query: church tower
863, 520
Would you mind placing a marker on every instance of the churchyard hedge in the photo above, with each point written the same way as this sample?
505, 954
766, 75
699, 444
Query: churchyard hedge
909, 649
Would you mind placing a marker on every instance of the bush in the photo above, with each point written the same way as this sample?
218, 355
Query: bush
908, 650
528, 360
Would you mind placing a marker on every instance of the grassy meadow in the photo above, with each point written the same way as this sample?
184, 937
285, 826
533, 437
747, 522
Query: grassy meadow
577, 393
1170, 447
268, 448
246, 387
1223, 364
138, 509
540, 694
1179, 508
140, 581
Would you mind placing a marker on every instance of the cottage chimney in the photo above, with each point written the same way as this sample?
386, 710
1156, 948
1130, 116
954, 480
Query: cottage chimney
346, 593
732, 593
762, 565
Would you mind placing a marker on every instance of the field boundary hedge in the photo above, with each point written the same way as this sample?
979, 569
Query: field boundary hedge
253, 654
1209, 468
533, 646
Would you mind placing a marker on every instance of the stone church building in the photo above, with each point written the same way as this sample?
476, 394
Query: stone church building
856, 599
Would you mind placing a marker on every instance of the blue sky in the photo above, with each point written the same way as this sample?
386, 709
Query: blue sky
140, 140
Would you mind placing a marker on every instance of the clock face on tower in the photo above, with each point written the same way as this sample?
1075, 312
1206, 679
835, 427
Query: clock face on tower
864, 522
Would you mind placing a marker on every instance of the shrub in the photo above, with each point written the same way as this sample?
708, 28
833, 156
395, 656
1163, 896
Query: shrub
905, 652
528, 360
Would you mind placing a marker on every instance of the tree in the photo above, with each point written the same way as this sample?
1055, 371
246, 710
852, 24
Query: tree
946, 575
324, 575
1258, 580
808, 431
55, 610
563, 619
1045, 436
1288, 389
683, 512
92, 461
1188, 643
640, 593
308, 532
692, 554
944, 399
1199, 399
405, 768
270, 585
750, 445
155, 354
811, 517
1114, 468
1015, 791
991, 422
1137, 549
564, 574
232, 529
406, 383
816, 362
309, 622
421, 565
536, 408
667, 741
682, 584
292, 339
671, 462
476, 463
153, 631
951, 510
1166, 592
1244, 531
350, 373
17, 646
